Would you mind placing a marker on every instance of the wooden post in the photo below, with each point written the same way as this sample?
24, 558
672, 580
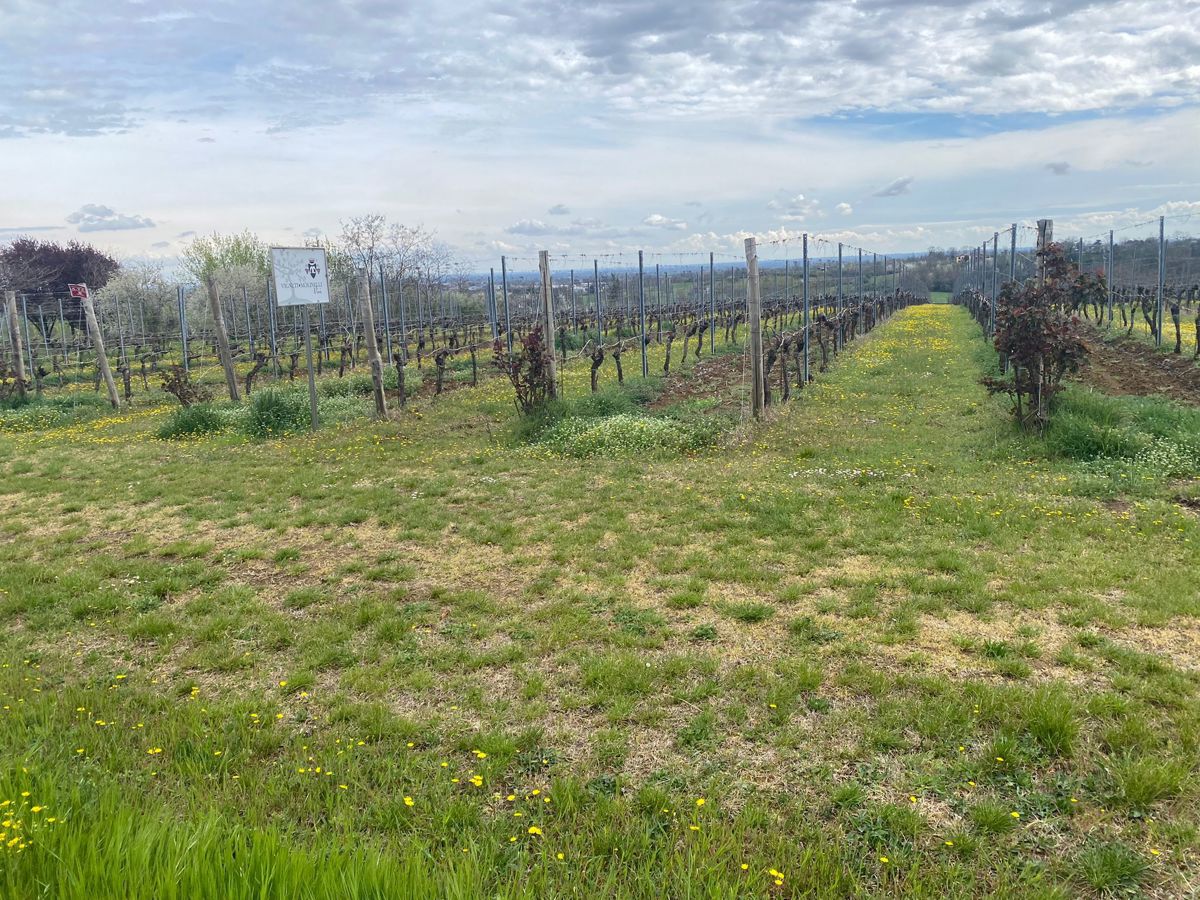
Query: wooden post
89, 313
548, 312
1045, 236
368, 317
14, 336
222, 336
312, 382
754, 317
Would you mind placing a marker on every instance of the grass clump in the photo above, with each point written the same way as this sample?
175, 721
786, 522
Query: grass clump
192, 421
32, 414
1111, 868
1149, 435
272, 413
617, 422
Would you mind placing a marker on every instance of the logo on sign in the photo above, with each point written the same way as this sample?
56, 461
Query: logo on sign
312, 269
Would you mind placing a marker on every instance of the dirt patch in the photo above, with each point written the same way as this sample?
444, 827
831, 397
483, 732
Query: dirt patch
713, 377
1125, 365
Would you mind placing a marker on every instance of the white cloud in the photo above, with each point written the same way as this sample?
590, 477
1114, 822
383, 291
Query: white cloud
98, 217
655, 220
529, 227
844, 209
559, 209
1058, 168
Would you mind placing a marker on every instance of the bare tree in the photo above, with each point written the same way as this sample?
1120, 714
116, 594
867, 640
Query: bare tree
206, 258
363, 238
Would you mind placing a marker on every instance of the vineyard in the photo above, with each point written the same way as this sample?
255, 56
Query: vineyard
765, 595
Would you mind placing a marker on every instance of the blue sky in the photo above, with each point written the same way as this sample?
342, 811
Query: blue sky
590, 128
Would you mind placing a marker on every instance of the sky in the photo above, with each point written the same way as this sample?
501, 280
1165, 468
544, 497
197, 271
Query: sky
591, 128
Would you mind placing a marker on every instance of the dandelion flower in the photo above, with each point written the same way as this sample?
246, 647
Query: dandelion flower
408, 801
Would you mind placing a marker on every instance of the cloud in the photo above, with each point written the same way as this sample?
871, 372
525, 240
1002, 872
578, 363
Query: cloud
844, 209
206, 140
161, 245
529, 228
185, 234
655, 220
795, 207
1058, 168
895, 188
559, 209
98, 217
638, 60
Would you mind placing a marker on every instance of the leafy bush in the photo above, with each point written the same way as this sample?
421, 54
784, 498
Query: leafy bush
191, 421
528, 370
272, 413
1040, 337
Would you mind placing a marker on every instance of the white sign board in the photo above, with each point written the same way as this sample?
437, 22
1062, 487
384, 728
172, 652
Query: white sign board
300, 275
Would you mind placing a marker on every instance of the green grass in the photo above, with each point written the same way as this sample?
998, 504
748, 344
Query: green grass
872, 628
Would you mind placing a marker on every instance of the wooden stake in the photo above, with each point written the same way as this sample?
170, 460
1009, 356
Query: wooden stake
754, 317
89, 313
222, 336
548, 312
368, 317
14, 334
1045, 236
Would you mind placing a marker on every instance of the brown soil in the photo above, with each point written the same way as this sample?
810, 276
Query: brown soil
704, 379
1126, 365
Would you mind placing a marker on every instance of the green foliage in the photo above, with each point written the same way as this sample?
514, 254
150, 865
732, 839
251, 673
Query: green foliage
1111, 868
34, 414
272, 413
1139, 434
207, 255
192, 421
625, 434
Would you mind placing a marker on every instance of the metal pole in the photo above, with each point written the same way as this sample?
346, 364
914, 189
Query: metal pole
273, 319
1012, 255
28, 342
754, 314
312, 379
62, 329
642, 312
995, 279
183, 326
504, 290
491, 307
712, 306
387, 318
837, 335
807, 376
548, 306
1109, 278
599, 307
860, 291
404, 326
574, 317
1162, 273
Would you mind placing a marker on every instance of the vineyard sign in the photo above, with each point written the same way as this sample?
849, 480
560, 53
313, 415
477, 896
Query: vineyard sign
301, 277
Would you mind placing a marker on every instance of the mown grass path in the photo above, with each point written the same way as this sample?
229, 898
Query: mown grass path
879, 645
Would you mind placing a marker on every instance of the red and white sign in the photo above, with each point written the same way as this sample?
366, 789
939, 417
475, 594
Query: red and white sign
78, 291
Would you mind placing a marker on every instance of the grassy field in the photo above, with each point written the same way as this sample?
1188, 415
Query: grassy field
881, 645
